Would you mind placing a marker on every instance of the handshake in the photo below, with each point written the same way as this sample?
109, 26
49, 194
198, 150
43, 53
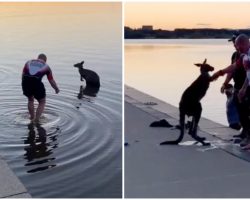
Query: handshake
216, 75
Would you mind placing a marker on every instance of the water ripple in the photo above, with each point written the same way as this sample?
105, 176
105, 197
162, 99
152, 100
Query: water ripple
75, 150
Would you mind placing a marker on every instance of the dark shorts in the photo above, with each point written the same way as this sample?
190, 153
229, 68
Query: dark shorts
33, 87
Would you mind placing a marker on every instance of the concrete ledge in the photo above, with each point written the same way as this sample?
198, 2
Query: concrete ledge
10, 185
21, 196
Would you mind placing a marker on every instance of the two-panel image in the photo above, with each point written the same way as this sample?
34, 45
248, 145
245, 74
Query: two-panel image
124, 99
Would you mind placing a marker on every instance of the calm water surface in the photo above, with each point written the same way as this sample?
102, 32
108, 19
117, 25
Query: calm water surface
164, 69
77, 149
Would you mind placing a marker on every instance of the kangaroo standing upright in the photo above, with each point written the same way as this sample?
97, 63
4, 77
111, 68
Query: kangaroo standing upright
91, 77
190, 104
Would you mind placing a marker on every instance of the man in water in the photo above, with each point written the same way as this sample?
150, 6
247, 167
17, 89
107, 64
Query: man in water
243, 45
32, 85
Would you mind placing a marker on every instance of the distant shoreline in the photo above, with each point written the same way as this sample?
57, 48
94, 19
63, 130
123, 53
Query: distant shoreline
181, 33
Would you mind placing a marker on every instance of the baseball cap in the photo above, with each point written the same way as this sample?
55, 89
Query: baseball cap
233, 38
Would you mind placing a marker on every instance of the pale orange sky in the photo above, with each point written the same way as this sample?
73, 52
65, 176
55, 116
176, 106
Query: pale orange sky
52, 14
171, 15
91, 19
37, 8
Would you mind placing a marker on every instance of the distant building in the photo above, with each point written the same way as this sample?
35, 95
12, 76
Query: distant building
147, 28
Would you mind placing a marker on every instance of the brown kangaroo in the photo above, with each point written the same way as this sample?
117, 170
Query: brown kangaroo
91, 77
190, 104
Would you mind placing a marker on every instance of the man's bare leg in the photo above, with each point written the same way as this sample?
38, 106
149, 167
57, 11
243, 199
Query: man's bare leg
40, 109
31, 107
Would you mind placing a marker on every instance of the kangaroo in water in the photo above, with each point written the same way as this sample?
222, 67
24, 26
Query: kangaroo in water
91, 77
190, 104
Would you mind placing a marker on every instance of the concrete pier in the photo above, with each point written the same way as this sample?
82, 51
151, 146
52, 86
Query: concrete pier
187, 170
10, 185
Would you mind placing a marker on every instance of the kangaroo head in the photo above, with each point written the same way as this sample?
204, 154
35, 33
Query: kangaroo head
204, 67
79, 65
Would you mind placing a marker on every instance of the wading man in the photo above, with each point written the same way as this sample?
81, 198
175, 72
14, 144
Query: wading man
33, 87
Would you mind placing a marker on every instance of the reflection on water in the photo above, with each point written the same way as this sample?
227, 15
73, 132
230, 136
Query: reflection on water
39, 151
88, 91
164, 68
87, 94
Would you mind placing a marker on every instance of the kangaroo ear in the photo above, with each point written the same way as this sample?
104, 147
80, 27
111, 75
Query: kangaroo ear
82, 62
197, 64
205, 61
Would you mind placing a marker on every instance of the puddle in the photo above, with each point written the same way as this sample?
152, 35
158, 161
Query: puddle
189, 143
215, 144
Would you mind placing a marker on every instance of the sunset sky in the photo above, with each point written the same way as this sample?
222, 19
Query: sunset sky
35, 17
171, 15
60, 29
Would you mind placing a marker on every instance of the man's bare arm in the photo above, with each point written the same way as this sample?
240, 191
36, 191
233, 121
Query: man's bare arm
54, 85
243, 90
230, 69
226, 82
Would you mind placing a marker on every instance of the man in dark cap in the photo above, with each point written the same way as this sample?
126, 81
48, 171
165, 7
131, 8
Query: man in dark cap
238, 76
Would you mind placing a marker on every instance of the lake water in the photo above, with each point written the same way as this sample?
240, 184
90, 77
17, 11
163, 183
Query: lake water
77, 150
164, 68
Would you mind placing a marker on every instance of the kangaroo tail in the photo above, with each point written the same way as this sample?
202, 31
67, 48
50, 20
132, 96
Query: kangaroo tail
174, 142
170, 142
182, 124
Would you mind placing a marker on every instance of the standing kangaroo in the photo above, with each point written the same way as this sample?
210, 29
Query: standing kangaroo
190, 104
91, 77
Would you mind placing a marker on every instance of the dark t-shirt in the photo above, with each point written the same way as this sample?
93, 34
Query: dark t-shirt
239, 74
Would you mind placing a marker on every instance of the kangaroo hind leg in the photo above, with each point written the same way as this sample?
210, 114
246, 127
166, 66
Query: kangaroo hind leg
194, 127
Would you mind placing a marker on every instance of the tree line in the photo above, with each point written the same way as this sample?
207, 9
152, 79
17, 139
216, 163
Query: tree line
182, 33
